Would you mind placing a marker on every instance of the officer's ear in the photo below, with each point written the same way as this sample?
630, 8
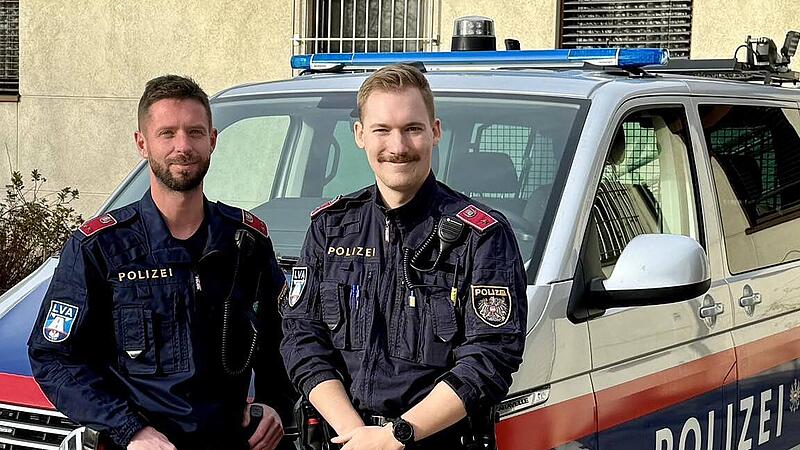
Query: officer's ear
436, 127
358, 132
213, 138
141, 144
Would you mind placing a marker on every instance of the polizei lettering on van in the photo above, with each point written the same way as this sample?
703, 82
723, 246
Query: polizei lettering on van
766, 409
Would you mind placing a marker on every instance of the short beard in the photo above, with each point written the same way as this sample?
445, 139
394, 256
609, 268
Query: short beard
183, 184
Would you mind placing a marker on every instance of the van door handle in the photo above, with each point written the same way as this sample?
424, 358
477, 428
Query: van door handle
709, 310
750, 300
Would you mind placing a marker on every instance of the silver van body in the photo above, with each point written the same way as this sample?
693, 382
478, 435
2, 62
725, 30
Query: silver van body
632, 175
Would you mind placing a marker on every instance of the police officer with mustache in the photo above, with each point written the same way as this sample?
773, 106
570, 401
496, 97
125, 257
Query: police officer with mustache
158, 311
407, 309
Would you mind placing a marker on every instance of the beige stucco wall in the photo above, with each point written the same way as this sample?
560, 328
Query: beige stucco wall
83, 65
8, 140
719, 26
532, 22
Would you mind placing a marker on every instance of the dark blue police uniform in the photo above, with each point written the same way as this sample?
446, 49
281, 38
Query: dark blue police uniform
130, 331
366, 308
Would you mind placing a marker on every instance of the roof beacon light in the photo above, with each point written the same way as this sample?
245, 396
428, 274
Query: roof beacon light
625, 58
473, 33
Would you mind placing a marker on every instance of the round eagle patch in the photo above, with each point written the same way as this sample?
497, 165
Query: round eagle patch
492, 304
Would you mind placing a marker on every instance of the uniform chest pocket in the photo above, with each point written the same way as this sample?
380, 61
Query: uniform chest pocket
149, 342
135, 339
440, 329
332, 295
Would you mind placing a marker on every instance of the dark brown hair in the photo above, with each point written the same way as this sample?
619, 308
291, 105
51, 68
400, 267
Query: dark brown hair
172, 87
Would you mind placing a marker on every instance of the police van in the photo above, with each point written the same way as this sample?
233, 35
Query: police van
656, 205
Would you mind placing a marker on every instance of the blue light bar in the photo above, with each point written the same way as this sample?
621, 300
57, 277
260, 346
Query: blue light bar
618, 57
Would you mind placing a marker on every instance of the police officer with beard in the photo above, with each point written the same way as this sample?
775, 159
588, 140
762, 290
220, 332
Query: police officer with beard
407, 309
158, 310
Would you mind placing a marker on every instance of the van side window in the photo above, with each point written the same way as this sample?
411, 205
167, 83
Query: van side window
755, 159
647, 186
245, 161
525, 150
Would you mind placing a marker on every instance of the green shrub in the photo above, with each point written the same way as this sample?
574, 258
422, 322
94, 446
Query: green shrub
33, 226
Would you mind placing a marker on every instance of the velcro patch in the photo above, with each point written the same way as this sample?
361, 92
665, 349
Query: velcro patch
325, 205
59, 321
299, 278
255, 223
476, 218
492, 304
92, 226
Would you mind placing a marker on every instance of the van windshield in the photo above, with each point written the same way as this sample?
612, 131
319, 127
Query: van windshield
281, 156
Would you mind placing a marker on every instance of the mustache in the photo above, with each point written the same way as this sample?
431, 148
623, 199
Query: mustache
397, 159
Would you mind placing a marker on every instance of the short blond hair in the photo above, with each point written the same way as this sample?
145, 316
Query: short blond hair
396, 78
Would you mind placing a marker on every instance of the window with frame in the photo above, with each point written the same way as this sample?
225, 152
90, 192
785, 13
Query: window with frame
628, 23
647, 183
344, 26
9, 49
755, 159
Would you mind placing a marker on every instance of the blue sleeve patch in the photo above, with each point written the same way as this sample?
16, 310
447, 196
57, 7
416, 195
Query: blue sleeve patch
59, 321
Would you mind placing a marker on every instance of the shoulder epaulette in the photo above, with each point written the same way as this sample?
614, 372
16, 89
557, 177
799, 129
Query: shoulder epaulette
325, 206
476, 218
92, 226
252, 221
242, 216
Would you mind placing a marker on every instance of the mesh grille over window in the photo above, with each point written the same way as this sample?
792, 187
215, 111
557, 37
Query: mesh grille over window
627, 23
9, 47
333, 26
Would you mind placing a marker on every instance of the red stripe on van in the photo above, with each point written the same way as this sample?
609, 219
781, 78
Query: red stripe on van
549, 427
642, 396
23, 391
574, 419
766, 353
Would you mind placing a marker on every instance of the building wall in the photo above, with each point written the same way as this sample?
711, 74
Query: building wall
83, 65
719, 26
8, 140
532, 22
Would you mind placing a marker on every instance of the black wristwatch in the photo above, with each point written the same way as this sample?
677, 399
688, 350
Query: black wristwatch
403, 432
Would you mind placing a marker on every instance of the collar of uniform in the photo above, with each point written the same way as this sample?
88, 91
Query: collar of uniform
219, 235
417, 209
163, 246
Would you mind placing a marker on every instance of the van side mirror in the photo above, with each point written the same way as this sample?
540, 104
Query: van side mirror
654, 269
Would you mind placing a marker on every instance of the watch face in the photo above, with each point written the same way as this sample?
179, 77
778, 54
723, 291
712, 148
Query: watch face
403, 431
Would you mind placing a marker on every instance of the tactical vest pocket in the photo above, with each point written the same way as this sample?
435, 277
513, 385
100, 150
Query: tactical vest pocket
135, 344
359, 304
440, 328
407, 331
172, 339
332, 295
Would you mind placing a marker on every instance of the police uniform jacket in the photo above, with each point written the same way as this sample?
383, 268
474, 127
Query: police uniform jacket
130, 331
351, 315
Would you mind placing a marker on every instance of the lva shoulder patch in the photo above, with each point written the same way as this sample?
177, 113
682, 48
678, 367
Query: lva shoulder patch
255, 223
492, 304
59, 321
299, 278
92, 226
476, 218
325, 206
